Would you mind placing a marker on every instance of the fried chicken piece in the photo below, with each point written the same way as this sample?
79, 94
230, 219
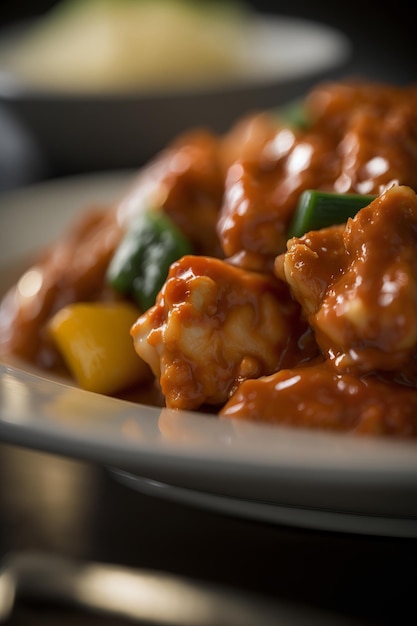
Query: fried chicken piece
214, 325
318, 397
72, 269
360, 138
357, 286
186, 180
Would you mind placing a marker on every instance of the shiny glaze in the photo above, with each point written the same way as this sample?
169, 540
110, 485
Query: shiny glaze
361, 138
319, 331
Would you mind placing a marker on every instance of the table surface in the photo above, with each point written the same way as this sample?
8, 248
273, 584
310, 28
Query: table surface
78, 510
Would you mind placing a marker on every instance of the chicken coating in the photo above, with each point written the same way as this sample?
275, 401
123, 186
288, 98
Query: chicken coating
72, 269
360, 138
357, 285
186, 181
214, 325
318, 397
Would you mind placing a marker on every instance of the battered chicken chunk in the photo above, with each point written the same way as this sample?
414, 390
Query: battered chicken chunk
317, 331
359, 138
357, 285
214, 325
186, 180
72, 269
319, 397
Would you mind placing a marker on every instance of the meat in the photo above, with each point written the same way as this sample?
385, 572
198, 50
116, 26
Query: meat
72, 269
360, 138
318, 397
357, 286
317, 331
186, 180
214, 325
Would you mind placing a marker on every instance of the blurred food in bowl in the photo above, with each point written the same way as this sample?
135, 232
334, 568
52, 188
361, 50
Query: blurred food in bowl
93, 95
109, 45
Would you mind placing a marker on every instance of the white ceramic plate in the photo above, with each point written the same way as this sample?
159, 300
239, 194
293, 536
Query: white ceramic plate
284, 57
281, 475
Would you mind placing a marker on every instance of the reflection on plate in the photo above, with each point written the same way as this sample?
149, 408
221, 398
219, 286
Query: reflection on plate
276, 474
284, 57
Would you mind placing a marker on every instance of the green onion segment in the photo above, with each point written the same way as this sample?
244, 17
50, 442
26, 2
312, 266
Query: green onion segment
319, 209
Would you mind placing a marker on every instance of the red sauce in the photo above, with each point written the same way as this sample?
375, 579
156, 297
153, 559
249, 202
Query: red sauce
318, 331
319, 397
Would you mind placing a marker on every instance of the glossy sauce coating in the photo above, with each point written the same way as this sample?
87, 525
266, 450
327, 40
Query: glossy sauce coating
184, 180
319, 397
71, 270
357, 285
215, 325
360, 138
319, 331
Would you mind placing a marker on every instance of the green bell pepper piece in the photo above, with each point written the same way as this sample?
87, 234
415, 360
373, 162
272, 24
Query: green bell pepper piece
141, 263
